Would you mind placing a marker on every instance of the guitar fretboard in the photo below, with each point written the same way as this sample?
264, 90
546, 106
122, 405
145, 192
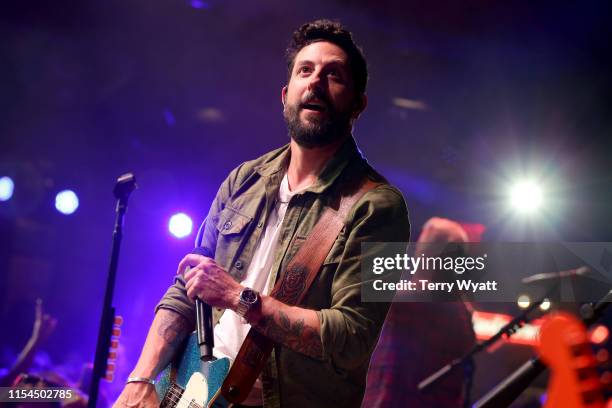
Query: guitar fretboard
173, 396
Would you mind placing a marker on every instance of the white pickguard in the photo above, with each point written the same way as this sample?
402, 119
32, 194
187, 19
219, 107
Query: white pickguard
195, 391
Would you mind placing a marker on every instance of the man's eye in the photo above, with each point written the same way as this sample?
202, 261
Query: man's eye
335, 74
303, 69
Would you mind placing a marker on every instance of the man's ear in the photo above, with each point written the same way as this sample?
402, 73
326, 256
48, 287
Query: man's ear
283, 94
361, 102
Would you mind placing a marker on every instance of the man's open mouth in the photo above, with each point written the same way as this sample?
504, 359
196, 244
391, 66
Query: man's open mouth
314, 106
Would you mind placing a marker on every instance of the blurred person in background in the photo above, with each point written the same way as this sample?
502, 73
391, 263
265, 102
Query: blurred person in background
418, 338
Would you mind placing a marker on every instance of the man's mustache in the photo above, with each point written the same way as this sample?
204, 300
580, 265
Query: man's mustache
312, 96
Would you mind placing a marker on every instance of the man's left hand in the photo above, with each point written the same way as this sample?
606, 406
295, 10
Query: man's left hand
209, 282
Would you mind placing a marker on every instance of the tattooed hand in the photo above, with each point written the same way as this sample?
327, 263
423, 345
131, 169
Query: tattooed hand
209, 282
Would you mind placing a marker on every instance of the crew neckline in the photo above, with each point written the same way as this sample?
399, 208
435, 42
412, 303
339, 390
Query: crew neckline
285, 193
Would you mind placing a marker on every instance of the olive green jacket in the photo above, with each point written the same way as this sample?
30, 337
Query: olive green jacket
349, 327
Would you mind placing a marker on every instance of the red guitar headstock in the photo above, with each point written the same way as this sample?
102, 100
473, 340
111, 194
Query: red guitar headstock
112, 352
565, 348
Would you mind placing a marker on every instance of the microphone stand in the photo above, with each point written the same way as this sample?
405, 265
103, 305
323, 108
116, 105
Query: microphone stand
467, 361
507, 391
126, 183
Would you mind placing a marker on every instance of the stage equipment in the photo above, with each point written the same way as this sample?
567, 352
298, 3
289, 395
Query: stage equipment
126, 183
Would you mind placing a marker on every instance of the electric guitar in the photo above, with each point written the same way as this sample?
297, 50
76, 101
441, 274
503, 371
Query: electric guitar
565, 348
190, 382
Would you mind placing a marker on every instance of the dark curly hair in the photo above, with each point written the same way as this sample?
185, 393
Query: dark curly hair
336, 33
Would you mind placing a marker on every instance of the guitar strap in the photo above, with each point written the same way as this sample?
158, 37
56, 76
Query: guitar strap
291, 287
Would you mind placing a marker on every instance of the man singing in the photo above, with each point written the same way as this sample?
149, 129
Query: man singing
261, 215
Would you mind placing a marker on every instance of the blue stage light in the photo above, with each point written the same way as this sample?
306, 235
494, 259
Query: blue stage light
7, 186
66, 202
180, 225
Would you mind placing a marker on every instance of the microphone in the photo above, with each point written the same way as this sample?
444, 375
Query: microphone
570, 273
206, 338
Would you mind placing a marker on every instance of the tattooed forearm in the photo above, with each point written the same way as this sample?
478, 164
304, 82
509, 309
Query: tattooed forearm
173, 327
294, 334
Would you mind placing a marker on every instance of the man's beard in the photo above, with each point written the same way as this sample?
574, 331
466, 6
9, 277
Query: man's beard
318, 131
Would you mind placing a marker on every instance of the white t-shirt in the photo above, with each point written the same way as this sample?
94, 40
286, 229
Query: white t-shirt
231, 330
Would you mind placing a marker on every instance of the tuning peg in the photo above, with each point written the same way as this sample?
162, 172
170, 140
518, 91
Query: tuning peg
110, 372
602, 356
118, 321
606, 381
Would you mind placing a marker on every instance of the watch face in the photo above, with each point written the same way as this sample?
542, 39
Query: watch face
248, 296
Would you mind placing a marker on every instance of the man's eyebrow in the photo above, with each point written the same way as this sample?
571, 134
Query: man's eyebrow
304, 62
337, 61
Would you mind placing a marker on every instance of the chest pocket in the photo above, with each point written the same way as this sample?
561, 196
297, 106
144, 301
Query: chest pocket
232, 228
232, 223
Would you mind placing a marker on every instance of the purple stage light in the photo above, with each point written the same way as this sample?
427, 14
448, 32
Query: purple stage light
169, 118
7, 186
66, 202
180, 225
198, 4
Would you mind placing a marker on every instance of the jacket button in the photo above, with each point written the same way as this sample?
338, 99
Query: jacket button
227, 225
260, 224
238, 264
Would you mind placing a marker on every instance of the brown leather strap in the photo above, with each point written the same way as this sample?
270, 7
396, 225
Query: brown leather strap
290, 288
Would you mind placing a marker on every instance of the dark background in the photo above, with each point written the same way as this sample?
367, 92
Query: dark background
181, 92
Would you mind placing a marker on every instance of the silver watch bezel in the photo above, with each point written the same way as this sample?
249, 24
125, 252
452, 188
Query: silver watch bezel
243, 304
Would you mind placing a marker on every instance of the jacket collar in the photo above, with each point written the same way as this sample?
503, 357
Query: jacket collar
346, 152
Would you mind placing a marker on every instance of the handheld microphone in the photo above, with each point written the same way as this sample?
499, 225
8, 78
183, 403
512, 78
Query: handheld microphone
204, 327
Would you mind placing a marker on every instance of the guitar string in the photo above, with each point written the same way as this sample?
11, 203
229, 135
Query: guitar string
175, 392
185, 404
173, 401
175, 398
174, 395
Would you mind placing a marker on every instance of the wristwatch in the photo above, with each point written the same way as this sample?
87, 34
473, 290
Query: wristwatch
247, 301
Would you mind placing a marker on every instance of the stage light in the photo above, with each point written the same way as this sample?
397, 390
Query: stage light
66, 202
7, 186
526, 197
198, 4
180, 225
545, 305
523, 301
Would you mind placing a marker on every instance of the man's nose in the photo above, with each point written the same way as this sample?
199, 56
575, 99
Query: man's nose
315, 82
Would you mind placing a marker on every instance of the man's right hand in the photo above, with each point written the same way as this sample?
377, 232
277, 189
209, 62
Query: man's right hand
137, 394
167, 332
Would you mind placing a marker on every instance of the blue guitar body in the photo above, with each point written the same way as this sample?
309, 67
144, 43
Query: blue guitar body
190, 381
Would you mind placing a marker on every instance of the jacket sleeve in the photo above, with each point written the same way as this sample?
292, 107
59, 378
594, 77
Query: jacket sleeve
350, 327
175, 298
